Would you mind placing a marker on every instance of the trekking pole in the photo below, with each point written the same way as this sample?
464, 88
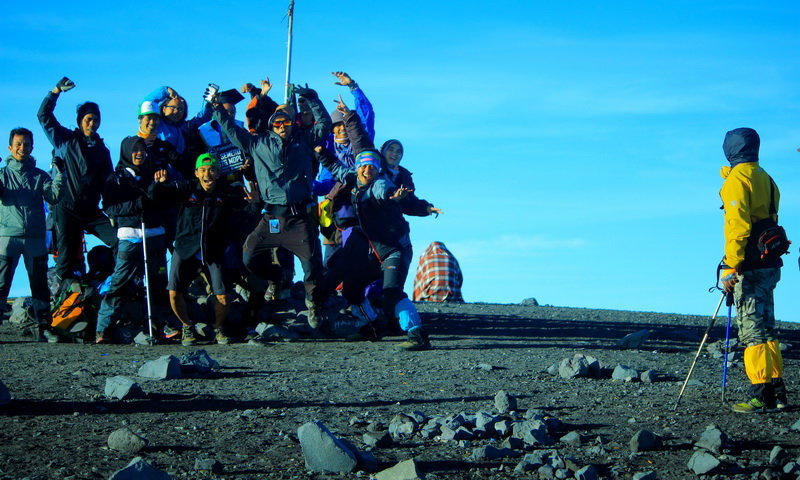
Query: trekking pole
147, 281
729, 303
700, 349
287, 90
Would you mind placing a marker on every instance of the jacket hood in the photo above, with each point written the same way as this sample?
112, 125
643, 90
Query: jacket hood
126, 154
741, 146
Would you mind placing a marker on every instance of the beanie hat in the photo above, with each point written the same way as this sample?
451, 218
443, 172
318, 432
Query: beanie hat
389, 143
206, 160
368, 157
86, 108
337, 117
148, 108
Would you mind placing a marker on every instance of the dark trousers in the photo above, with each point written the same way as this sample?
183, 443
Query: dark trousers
69, 227
357, 265
128, 269
298, 234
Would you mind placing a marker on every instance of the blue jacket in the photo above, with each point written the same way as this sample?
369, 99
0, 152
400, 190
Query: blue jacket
174, 133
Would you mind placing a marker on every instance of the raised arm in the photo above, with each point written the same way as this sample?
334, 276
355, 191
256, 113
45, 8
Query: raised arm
238, 136
362, 103
55, 132
322, 120
327, 160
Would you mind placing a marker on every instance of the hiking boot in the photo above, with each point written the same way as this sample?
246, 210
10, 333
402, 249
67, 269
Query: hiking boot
46, 335
315, 317
220, 337
100, 338
417, 340
170, 333
187, 336
751, 406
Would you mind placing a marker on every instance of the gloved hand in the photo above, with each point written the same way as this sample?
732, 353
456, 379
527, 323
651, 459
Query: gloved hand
305, 92
727, 276
65, 84
58, 162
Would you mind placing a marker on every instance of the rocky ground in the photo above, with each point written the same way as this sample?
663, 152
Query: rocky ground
246, 414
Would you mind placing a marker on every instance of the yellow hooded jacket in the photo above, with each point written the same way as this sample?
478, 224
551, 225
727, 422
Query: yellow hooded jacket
746, 199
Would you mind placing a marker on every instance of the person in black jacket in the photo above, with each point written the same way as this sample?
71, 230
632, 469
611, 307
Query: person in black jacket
207, 206
379, 245
87, 165
137, 220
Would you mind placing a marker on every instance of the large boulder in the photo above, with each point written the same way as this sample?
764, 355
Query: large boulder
323, 451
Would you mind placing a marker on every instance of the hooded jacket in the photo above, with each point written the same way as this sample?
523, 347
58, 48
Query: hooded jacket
747, 193
125, 197
284, 169
23, 191
87, 162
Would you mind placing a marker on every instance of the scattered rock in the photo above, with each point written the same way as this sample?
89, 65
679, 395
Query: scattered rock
208, 465
634, 340
378, 439
651, 475
5, 395
82, 373
553, 369
121, 388
323, 451
142, 338
533, 433
587, 473
198, 361
503, 427
125, 441
778, 456
163, 368
138, 469
529, 302
268, 330
795, 426
713, 439
460, 433
504, 403
648, 376
533, 460
513, 443
625, 373
489, 452
644, 440
579, 366
402, 426
702, 462
406, 470
484, 366
572, 438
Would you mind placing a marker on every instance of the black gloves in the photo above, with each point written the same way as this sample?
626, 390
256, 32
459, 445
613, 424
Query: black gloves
305, 92
58, 162
65, 84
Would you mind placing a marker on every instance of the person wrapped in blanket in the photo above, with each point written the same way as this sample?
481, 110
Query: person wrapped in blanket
379, 245
438, 277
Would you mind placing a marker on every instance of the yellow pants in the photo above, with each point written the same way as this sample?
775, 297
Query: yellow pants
763, 362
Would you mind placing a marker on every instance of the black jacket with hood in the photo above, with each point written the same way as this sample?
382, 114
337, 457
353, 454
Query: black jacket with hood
87, 162
125, 198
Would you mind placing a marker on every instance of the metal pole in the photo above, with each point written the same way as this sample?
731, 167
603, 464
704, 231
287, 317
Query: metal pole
289, 53
700, 349
727, 349
147, 280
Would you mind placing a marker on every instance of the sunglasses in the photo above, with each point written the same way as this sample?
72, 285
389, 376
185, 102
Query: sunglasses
285, 123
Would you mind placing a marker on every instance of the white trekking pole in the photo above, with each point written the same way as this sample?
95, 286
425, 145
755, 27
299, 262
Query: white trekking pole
147, 283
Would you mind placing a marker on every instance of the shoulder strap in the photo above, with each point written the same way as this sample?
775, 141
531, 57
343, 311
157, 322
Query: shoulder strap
773, 210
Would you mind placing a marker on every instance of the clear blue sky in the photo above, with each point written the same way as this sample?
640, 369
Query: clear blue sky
575, 147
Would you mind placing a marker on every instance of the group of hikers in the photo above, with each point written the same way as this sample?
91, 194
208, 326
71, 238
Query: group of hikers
233, 202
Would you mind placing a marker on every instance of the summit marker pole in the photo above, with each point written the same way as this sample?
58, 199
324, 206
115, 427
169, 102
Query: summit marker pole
288, 89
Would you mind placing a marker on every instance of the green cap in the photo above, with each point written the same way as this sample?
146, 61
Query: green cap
206, 160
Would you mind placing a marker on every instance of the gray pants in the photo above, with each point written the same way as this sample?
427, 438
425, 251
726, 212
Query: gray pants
34, 254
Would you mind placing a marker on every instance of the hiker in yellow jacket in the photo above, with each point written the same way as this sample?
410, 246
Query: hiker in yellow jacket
750, 200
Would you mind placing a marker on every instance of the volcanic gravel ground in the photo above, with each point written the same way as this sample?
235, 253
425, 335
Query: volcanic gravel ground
247, 413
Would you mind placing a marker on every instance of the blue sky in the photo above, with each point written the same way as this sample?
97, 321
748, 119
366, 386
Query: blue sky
575, 147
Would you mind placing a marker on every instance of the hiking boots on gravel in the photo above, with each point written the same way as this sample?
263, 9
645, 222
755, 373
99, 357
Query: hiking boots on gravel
187, 336
220, 337
752, 406
417, 340
101, 338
